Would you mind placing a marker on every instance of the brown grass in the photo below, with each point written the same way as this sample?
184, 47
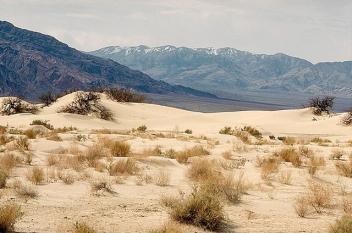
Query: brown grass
345, 168
8, 161
285, 177
302, 206
320, 196
53, 136
92, 154
170, 227
269, 166
36, 175
305, 151
315, 163
123, 167
201, 169
120, 149
31, 134
342, 225
24, 189
81, 227
337, 154
162, 178
67, 176
289, 140
291, 155
101, 183
9, 215
21, 143
183, 156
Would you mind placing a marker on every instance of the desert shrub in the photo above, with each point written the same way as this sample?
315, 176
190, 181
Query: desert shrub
320, 141
9, 215
43, 123
321, 105
319, 196
124, 95
201, 169
347, 119
314, 164
101, 183
162, 178
227, 130
305, 151
347, 205
342, 225
21, 143
285, 177
3, 178
289, 140
67, 176
253, 131
30, 133
289, 155
36, 175
92, 154
188, 131
8, 161
182, 156
123, 167
142, 128
48, 98
301, 206
201, 208
24, 189
337, 154
269, 166
53, 136
243, 136
170, 227
156, 151
345, 168
86, 103
52, 160
14, 105
28, 157
120, 149
80, 227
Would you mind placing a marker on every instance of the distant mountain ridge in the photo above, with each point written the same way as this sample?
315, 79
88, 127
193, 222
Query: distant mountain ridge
230, 70
32, 63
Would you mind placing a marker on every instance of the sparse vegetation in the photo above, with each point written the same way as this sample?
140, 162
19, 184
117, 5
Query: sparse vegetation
321, 105
188, 131
119, 149
315, 163
9, 215
14, 105
345, 168
269, 166
301, 206
124, 95
337, 154
182, 156
319, 196
290, 155
81, 227
162, 178
342, 225
202, 169
123, 167
43, 123
36, 175
253, 131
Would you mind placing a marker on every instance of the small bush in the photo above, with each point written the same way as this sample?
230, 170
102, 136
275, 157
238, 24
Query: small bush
8, 161
182, 156
290, 155
342, 225
337, 154
253, 131
43, 123
21, 143
36, 175
320, 141
3, 178
92, 154
14, 105
301, 206
25, 189
86, 103
201, 169
305, 151
188, 131
314, 164
101, 183
285, 177
226, 130
53, 136
243, 136
319, 196
124, 95
83, 228
321, 105
162, 178
201, 209
9, 215
67, 176
269, 166
345, 168
120, 149
30, 133
123, 166
142, 129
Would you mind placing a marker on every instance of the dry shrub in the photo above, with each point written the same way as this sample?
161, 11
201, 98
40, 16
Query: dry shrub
53, 136
182, 156
52, 160
320, 141
320, 196
321, 105
170, 227
226, 130
285, 177
162, 178
302, 206
141, 129
291, 155
243, 136
289, 140
201, 208
21, 143
342, 225
24, 189
253, 131
3, 178
75, 162
345, 168
315, 163
48, 98
93, 154
337, 154
156, 151
240, 148
86, 103
201, 169
9, 215
14, 105
269, 166
347, 205
36, 175
31, 134
43, 123
120, 149
143, 178
81, 227
305, 151
101, 183
124, 95
4, 139
123, 167
8, 161
67, 176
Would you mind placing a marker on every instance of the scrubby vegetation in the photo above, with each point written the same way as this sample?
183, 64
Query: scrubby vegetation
81, 227
342, 225
43, 123
124, 95
321, 105
86, 103
9, 215
48, 98
14, 105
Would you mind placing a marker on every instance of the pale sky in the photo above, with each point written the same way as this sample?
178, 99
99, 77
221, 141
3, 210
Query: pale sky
316, 30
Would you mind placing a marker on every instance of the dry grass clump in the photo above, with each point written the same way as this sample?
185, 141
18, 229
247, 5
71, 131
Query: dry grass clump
243, 136
20, 143
86, 103
321, 105
253, 131
305, 151
202, 169
285, 177
24, 189
269, 166
8, 161
347, 205
342, 225
67, 176
36, 175
120, 149
3, 178
336, 154
320, 141
124, 95
162, 178
156, 151
315, 163
43, 123
9, 215
182, 156
345, 168
123, 167
302, 206
31, 134
53, 136
14, 105
170, 227
320, 196
93, 154
142, 129
80, 227
101, 183
291, 155
200, 208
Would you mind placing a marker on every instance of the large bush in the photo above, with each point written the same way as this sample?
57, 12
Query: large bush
14, 105
321, 105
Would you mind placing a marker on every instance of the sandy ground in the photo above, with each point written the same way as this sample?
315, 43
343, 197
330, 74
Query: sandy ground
137, 208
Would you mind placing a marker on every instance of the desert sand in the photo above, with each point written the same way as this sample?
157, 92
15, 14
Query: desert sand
134, 206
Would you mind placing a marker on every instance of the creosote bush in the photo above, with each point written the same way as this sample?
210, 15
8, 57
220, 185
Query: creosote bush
124, 95
86, 103
321, 105
14, 105
9, 215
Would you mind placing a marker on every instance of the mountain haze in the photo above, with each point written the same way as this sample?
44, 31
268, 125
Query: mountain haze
230, 70
32, 63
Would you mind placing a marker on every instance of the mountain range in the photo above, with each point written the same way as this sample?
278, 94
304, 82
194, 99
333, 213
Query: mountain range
32, 63
229, 71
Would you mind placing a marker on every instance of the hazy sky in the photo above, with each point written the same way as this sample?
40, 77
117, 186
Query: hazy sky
317, 30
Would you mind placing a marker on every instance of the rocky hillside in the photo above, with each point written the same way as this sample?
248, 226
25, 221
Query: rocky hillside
32, 63
230, 70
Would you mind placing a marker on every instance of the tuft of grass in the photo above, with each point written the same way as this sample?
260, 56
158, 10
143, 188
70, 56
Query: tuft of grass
170, 227
291, 155
342, 225
183, 156
315, 163
302, 206
289, 140
253, 131
201, 169
67, 176
53, 136
285, 177
269, 166
24, 189
142, 128
320, 196
43, 123
36, 175
31, 134
120, 149
21, 143
305, 151
162, 178
101, 183
336, 154
8, 161
80, 227
345, 168
9, 215
123, 167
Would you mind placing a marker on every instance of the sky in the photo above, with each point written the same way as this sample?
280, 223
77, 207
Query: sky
316, 30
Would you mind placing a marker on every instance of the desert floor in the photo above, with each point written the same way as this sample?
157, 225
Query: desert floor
134, 204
